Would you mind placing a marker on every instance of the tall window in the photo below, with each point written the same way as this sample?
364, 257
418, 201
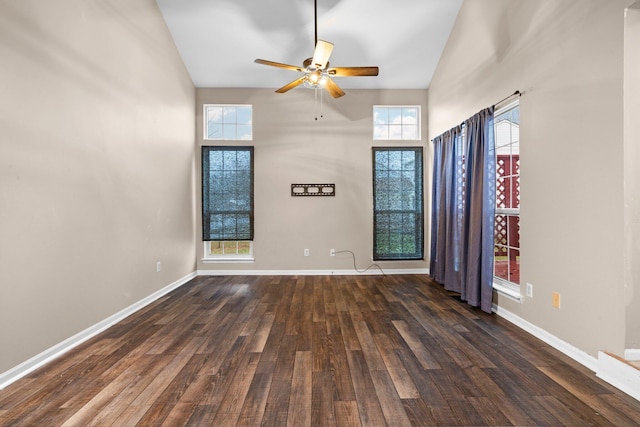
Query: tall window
396, 122
229, 122
398, 218
227, 198
507, 217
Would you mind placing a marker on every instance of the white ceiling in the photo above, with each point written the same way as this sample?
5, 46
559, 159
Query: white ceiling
219, 39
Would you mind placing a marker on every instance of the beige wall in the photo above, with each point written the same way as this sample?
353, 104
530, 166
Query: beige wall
632, 174
96, 166
293, 148
567, 58
98, 180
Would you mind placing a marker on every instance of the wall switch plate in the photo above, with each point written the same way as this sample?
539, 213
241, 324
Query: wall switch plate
158, 267
332, 252
529, 290
306, 252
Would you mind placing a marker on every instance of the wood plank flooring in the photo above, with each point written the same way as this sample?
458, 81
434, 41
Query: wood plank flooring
313, 351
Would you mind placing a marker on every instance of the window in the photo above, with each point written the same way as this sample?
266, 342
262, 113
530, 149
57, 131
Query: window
397, 204
396, 122
506, 262
227, 200
228, 249
229, 122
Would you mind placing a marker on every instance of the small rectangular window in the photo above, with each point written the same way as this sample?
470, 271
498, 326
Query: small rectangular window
398, 218
228, 122
227, 193
396, 122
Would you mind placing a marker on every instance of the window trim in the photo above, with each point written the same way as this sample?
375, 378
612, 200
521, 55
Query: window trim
419, 181
419, 122
507, 289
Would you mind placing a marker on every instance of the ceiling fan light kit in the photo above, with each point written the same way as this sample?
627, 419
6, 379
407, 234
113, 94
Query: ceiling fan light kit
316, 70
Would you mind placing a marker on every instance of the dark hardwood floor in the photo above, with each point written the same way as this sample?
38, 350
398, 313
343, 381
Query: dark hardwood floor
313, 351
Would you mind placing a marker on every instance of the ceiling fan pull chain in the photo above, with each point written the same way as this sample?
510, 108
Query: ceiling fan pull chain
315, 92
321, 115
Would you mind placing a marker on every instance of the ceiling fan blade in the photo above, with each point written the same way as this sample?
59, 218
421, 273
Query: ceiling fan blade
278, 64
353, 71
289, 86
321, 54
333, 89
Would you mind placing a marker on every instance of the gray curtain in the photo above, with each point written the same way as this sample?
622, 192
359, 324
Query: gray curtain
463, 208
447, 209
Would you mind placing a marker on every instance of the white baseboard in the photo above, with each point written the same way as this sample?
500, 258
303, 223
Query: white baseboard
57, 350
371, 271
632, 354
619, 374
615, 372
555, 342
51, 353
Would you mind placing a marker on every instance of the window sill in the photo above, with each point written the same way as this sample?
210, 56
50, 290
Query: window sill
228, 260
508, 292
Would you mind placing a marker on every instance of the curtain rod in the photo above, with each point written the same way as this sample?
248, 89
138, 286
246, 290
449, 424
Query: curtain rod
517, 92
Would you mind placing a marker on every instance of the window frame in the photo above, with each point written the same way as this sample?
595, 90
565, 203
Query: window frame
205, 122
206, 238
418, 254
501, 285
418, 124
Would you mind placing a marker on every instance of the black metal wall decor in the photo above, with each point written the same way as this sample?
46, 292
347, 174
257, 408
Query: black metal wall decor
313, 189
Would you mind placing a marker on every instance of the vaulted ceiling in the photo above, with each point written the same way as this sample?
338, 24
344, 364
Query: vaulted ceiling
220, 39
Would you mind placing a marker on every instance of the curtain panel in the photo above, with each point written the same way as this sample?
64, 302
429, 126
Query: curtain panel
463, 209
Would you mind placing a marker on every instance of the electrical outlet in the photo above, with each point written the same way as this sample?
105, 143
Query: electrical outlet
556, 300
529, 290
306, 252
158, 267
332, 252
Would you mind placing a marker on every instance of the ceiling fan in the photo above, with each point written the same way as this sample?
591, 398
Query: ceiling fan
316, 70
